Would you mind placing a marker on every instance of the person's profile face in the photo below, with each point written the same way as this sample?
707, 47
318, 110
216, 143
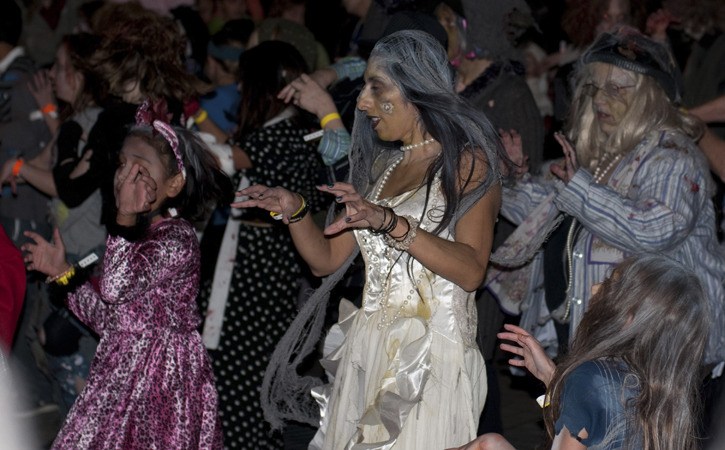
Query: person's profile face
66, 81
392, 118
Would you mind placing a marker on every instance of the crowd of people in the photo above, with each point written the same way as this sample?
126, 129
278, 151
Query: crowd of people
290, 224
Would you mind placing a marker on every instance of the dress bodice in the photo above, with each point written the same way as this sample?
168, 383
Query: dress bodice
398, 286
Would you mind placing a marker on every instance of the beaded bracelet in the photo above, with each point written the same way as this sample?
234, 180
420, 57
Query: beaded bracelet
404, 242
62, 278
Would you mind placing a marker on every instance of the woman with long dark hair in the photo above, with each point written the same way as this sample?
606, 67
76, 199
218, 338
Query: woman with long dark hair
420, 207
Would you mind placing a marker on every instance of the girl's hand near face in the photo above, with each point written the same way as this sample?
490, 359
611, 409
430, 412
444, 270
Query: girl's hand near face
43, 256
135, 191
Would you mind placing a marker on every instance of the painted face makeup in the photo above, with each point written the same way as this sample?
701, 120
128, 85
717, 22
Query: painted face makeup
611, 90
392, 118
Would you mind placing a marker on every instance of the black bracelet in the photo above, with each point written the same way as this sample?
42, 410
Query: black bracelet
302, 212
393, 222
379, 229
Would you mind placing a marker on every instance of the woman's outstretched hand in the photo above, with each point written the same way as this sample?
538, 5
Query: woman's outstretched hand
43, 256
359, 212
534, 357
566, 169
276, 199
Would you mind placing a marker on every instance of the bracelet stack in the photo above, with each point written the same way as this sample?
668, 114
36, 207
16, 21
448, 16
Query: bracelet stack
298, 215
63, 278
387, 226
403, 242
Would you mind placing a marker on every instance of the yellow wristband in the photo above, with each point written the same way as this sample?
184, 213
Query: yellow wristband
202, 116
278, 216
63, 278
329, 118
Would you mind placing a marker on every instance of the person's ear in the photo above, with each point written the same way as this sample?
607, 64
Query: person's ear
175, 185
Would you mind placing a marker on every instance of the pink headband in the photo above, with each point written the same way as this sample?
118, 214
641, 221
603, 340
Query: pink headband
145, 116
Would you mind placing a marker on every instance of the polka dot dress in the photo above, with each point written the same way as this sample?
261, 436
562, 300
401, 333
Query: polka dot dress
263, 291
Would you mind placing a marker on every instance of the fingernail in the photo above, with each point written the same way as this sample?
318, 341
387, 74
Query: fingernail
330, 185
347, 219
338, 199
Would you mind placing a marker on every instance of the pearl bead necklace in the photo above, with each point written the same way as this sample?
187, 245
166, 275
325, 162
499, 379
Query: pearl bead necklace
600, 174
384, 178
405, 148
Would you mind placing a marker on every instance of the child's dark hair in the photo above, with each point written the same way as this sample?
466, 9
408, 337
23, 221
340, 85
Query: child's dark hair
263, 71
205, 182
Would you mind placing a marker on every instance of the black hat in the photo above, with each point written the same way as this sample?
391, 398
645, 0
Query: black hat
629, 49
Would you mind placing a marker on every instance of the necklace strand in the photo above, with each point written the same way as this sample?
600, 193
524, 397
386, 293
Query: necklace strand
384, 178
600, 174
405, 148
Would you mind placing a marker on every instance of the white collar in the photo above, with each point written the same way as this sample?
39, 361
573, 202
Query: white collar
286, 113
10, 57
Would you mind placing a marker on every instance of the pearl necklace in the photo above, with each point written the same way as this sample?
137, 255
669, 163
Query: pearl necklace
405, 148
600, 174
384, 178
391, 168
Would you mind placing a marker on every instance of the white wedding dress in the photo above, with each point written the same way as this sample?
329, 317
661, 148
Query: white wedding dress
407, 371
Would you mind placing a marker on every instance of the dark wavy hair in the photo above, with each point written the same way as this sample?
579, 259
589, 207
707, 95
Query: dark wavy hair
205, 183
140, 46
651, 314
263, 71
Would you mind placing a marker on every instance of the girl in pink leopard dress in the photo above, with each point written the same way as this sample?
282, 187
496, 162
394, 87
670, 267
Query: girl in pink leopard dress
151, 384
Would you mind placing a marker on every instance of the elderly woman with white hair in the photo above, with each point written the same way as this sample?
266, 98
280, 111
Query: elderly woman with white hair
420, 208
632, 181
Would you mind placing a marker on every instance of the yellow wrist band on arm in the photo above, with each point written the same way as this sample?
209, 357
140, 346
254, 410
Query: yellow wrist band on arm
329, 118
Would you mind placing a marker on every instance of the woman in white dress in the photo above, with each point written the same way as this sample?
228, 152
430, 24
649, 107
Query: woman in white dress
405, 369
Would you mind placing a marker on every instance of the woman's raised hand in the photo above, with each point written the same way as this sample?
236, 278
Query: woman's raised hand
41, 88
566, 169
43, 256
511, 141
534, 357
306, 93
359, 212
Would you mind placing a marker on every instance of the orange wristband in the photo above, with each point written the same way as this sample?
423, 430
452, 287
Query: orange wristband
49, 108
16, 167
